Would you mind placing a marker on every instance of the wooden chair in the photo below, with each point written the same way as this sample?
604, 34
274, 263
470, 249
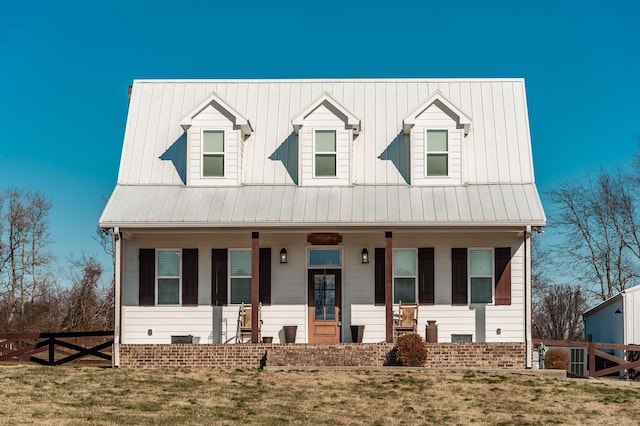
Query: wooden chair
406, 321
243, 332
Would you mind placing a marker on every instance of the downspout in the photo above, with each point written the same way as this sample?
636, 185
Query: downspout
117, 333
527, 297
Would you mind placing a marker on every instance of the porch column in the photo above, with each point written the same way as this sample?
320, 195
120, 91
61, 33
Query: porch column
388, 285
255, 284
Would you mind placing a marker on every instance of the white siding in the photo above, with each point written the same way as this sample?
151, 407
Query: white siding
212, 119
289, 287
631, 311
322, 118
433, 118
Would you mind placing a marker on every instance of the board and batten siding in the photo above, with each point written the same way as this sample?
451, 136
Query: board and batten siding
212, 119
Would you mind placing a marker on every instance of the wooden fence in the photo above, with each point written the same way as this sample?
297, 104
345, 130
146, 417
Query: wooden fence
597, 357
57, 348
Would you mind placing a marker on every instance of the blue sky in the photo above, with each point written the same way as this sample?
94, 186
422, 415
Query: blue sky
66, 66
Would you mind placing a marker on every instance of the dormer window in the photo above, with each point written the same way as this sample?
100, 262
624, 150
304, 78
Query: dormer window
325, 153
437, 153
213, 153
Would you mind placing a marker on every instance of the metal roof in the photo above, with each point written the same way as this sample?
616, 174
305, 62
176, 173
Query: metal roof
295, 206
498, 187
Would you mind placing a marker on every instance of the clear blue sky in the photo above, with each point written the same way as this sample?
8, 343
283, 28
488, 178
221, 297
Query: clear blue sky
65, 67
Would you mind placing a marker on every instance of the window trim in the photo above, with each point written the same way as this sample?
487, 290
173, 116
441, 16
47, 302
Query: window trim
230, 275
491, 276
427, 153
415, 276
334, 153
222, 153
158, 276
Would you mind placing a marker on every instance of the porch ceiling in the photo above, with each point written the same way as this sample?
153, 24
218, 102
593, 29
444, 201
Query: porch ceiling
267, 206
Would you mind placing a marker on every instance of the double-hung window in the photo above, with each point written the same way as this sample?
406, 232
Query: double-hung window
404, 276
168, 273
325, 153
213, 153
437, 153
240, 276
481, 275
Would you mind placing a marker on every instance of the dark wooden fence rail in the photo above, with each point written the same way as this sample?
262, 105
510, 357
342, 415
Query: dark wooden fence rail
594, 349
77, 346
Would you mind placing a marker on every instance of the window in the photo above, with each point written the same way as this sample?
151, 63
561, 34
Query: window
325, 153
404, 276
481, 275
437, 153
168, 277
240, 276
325, 257
213, 153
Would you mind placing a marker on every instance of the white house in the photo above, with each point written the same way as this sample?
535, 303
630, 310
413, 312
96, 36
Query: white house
375, 190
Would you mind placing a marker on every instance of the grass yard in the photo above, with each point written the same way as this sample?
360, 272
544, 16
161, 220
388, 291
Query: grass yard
89, 395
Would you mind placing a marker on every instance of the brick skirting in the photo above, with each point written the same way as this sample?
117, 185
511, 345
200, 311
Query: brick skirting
439, 355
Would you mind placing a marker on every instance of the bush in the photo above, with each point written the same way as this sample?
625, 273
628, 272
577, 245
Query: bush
411, 350
556, 359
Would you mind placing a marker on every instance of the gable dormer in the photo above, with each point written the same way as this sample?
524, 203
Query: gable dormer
215, 135
436, 129
325, 132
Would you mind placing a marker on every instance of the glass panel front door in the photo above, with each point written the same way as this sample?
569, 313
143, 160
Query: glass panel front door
324, 305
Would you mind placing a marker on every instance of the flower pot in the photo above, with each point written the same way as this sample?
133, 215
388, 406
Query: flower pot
290, 333
267, 339
357, 333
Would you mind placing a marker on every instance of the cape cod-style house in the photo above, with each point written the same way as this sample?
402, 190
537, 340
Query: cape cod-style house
323, 204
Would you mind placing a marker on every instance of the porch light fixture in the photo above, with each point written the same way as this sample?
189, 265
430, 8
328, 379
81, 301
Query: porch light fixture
365, 255
283, 255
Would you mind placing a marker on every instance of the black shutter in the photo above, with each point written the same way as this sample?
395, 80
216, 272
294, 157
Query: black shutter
503, 275
459, 276
219, 277
189, 276
147, 277
426, 292
379, 275
265, 275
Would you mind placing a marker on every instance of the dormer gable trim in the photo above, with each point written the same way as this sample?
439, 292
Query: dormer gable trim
351, 121
463, 119
213, 99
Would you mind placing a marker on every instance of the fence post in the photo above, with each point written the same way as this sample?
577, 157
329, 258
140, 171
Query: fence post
52, 351
591, 352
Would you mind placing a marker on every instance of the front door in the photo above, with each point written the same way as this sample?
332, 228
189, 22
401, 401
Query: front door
324, 305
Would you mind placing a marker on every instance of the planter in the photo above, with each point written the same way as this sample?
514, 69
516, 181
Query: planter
268, 339
357, 333
290, 333
432, 331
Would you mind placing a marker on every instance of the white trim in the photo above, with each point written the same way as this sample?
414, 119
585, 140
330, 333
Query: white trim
223, 153
158, 276
230, 276
463, 119
415, 276
334, 152
427, 152
352, 122
492, 276
239, 119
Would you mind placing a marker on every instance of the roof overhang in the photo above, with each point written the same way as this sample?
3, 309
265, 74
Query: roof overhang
351, 121
438, 98
216, 101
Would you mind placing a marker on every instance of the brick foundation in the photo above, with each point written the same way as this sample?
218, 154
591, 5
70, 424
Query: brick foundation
439, 355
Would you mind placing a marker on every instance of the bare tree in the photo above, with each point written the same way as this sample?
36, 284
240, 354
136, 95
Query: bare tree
557, 314
599, 220
24, 260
